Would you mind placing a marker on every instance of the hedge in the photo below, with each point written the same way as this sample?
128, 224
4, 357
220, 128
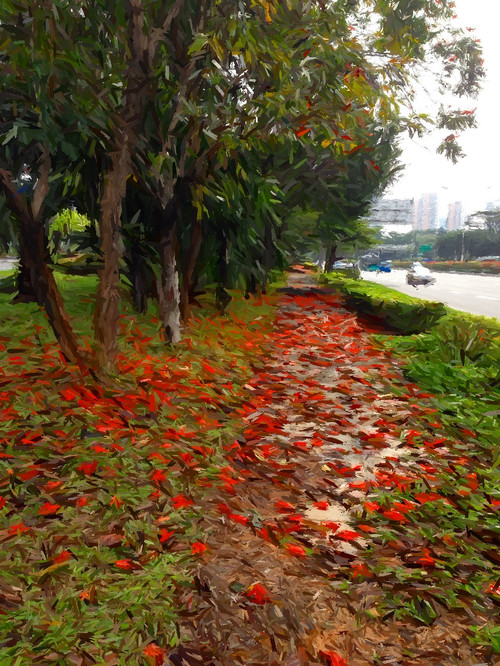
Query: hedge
488, 267
395, 310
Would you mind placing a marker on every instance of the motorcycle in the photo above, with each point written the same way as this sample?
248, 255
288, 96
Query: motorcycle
418, 276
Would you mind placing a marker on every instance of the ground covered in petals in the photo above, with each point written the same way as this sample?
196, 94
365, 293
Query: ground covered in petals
278, 495
349, 536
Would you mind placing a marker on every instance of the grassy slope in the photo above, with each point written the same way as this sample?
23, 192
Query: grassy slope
98, 486
445, 506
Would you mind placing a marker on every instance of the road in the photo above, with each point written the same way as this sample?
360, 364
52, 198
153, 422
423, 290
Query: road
6, 263
478, 294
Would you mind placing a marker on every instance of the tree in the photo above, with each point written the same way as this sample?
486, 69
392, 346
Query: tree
169, 99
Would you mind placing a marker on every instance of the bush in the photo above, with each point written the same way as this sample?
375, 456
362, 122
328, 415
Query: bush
489, 267
395, 310
492, 267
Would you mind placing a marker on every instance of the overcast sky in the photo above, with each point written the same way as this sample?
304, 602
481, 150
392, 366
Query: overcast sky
475, 179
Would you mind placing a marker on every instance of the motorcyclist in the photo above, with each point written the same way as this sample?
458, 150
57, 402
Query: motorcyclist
419, 275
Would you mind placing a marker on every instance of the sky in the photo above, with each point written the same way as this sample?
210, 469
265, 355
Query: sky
475, 179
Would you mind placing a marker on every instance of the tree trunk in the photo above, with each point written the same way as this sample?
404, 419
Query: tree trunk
268, 256
222, 296
251, 286
47, 292
331, 258
106, 316
26, 289
140, 275
35, 270
168, 289
187, 286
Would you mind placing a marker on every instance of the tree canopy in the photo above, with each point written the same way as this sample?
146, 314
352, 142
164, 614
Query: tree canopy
191, 130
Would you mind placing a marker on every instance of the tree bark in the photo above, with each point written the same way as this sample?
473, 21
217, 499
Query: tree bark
268, 256
35, 255
139, 281
127, 121
188, 268
26, 289
106, 315
168, 289
222, 296
331, 258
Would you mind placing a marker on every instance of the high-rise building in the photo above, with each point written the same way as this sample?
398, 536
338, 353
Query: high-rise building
393, 215
425, 213
455, 216
493, 205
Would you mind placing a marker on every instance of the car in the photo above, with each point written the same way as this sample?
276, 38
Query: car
493, 258
343, 264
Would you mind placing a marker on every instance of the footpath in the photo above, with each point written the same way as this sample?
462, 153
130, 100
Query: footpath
294, 572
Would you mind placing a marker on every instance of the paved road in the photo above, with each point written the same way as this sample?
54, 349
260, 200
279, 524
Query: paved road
6, 263
479, 294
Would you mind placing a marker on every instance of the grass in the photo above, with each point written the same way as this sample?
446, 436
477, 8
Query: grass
99, 485
436, 511
448, 516
395, 310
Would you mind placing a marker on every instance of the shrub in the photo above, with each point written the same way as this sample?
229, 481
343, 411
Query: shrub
395, 310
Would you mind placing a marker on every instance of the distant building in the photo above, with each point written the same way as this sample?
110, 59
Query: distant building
393, 215
425, 213
493, 205
455, 216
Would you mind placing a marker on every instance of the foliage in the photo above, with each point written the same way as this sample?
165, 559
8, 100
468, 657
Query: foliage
455, 366
468, 244
100, 485
247, 111
395, 310
492, 267
67, 224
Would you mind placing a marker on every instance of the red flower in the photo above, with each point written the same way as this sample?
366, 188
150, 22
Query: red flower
395, 515
19, 528
427, 497
284, 507
427, 560
116, 501
333, 658
88, 468
48, 509
158, 476
224, 508
367, 528
347, 535
494, 588
237, 518
63, 556
165, 535
360, 570
52, 485
322, 506
297, 551
258, 594
127, 565
198, 548
156, 652
181, 501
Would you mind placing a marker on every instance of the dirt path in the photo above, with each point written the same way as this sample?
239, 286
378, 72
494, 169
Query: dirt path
283, 536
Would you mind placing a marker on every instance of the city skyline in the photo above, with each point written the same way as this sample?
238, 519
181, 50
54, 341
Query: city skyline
473, 180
